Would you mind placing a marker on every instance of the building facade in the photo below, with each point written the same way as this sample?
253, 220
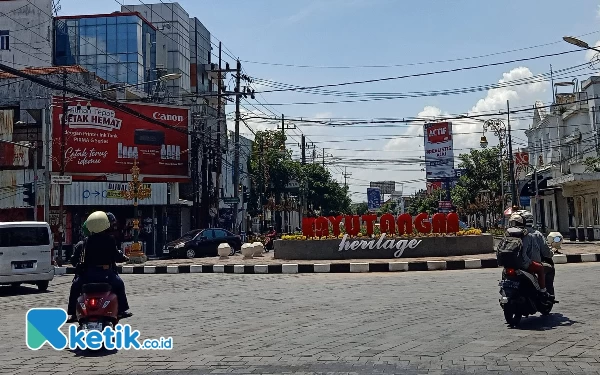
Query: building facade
26, 33
173, 45
560, 141
118, 47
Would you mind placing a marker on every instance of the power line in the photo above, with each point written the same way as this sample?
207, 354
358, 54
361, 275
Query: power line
426, 73
409, 64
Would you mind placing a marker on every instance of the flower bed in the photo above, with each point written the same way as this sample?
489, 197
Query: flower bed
415, 234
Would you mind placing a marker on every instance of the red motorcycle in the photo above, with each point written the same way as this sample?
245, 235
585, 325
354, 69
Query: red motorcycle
97, 307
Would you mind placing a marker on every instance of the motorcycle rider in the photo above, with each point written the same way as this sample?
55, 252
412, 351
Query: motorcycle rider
98, 256
540, 249
531, 256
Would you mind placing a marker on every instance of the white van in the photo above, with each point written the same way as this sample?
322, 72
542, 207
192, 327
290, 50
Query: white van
26, 253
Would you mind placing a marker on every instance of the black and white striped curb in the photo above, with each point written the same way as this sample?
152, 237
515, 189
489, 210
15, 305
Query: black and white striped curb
350, 267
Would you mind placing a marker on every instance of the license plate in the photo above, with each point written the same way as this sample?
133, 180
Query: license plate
509, 284
166, 251
22, 265
93, 326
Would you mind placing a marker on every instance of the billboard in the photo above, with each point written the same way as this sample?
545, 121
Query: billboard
439, 150
100, 139
373, 198
386, 187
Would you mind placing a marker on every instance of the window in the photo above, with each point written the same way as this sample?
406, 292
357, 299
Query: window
189, 235
208, 233
4, 41
24, 236
220, 233
595, 211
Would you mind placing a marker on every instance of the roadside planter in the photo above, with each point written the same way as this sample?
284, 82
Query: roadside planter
402, 236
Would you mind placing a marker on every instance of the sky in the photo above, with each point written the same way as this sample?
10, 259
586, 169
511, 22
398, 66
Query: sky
331, 41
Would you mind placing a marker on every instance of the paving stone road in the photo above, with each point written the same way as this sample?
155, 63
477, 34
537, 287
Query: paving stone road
446, 322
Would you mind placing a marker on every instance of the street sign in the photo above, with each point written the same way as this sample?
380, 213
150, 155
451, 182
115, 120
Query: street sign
231, 200
61, 180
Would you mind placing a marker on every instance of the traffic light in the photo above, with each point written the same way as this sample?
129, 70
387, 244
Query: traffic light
29, 194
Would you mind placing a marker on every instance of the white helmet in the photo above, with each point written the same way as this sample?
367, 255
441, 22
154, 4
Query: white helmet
528, 217
516, 220
97, 222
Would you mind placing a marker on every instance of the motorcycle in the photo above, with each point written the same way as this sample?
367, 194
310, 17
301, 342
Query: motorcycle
97, 307
520, 293
268, 244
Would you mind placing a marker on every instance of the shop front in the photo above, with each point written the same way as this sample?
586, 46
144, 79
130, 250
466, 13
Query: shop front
83, 198
583, 192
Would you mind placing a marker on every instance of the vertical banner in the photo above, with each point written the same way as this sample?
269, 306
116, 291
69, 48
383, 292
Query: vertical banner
439, 150
374, 198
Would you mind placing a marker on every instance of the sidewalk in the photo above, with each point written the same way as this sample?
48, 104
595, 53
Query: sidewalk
572, 253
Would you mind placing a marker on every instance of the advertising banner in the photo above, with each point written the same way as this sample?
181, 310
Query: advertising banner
439, 150
373, 198
100, 139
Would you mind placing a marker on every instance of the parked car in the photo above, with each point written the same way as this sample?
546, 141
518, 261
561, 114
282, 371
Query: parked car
26, 254
201, 242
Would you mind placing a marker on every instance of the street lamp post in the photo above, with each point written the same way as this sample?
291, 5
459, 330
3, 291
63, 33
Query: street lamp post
134, 192
498, 127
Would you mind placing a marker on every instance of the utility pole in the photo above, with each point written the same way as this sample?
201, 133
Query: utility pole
346, 175
35, 178
195, 173
61, 220
323, 158
511, 165
236, 155
303, 149
217, 156
47, 179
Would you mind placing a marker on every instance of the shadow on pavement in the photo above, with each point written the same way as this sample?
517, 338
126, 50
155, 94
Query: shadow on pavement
94, 353
11, 291
544, 323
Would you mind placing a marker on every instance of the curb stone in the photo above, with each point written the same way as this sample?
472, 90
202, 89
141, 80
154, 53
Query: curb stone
292, 268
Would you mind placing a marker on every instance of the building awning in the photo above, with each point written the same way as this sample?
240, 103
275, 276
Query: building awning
528, 189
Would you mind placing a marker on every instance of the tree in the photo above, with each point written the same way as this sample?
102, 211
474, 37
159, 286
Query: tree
360, 208
424, 202
482, 174
272, 168
324, 193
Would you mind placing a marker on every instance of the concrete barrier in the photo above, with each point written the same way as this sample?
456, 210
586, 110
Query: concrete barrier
337, 249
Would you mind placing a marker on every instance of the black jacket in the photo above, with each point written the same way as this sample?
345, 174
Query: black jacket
100, 249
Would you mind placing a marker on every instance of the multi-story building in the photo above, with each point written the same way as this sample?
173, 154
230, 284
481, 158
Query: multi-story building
559, 142
118, 47
173, 24
25, 33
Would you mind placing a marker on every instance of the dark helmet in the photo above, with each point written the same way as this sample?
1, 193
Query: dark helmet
112, 219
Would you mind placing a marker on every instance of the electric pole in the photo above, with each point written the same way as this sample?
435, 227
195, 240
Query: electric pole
47, 178
511, 164
61, 220
346, 175
323, 158
236, 157
303, 149
217, 156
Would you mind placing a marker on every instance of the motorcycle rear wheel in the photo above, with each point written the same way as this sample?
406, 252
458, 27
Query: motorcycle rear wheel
512, 317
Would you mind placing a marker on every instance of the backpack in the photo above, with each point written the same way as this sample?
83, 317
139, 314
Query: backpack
510, 248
